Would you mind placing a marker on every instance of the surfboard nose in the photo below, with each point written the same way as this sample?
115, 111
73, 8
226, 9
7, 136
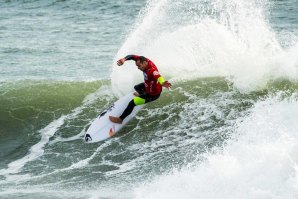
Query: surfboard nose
88, 138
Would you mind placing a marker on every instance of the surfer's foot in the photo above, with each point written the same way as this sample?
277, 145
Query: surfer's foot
115, 119
136, 94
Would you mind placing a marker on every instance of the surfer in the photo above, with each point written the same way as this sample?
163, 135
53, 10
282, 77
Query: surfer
145, 92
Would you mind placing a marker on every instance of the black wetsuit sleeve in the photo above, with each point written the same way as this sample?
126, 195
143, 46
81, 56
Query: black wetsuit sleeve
131, 57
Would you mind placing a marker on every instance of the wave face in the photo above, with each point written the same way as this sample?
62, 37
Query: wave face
202, 131
28, 106
226, 129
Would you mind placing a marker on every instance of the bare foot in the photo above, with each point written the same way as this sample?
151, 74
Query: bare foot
115, 119
136, 94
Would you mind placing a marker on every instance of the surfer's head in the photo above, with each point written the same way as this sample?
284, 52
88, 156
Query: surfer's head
142, 63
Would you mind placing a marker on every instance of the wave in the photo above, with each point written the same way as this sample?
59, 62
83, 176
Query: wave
226, 128
194, 118
26, 107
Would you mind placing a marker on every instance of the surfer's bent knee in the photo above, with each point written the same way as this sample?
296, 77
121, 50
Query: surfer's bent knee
139, 101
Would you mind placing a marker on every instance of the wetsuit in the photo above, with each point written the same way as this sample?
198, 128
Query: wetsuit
149, 90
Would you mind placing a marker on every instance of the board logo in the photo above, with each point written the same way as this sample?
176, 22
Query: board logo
103, 113
112, 131
111, 107
88, 138
145, 76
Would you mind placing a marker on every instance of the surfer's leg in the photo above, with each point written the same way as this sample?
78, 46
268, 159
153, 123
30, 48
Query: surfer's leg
149, 98
135, 102
145, 98
140, 88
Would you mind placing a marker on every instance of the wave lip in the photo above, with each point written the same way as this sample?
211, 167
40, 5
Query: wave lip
233, 39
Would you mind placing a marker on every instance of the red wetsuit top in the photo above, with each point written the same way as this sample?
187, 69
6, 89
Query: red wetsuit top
151, 75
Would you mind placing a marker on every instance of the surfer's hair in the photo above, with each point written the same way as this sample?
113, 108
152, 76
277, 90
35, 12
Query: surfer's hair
142, 59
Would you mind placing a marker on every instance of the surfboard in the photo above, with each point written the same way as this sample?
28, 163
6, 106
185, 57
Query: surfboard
102, 128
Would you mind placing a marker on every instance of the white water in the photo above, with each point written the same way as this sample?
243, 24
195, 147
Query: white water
260, 162
233, 40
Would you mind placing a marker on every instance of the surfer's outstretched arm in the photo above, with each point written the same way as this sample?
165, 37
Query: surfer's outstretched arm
128, 57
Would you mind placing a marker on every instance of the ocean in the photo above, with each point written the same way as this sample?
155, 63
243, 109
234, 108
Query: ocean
226, 129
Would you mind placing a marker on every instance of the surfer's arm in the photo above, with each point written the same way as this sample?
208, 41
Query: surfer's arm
131, 57
164, 83
128, 57
161, 80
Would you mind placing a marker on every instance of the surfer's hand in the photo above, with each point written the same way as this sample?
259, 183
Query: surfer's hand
121, 61
167, 84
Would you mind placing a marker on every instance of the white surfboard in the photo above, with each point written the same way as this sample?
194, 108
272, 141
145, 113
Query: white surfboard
102, 128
